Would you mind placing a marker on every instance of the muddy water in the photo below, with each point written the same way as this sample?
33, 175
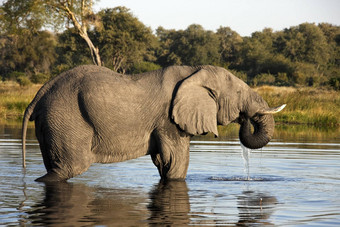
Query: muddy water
292, 182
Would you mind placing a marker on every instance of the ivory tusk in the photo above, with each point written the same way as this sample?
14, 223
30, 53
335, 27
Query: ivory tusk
272, 110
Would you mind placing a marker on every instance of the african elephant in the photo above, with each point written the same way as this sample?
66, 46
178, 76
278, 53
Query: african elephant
91, 114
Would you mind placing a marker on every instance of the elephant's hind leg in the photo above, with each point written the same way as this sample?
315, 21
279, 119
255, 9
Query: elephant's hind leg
65, 153
64, 170
45, 147
65, 167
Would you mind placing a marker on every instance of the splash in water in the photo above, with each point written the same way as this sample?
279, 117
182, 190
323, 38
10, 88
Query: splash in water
245, 156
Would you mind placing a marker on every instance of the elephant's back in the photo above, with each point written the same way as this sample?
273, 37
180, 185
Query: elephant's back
73, 79
60, 93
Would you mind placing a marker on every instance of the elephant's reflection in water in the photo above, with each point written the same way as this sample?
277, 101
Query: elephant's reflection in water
170, 204
75, 204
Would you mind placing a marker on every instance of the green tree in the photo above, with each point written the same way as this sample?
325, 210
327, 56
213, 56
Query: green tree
71, 51
198, 46
165, 53
260, 58
33, 15
80, 13
21, 14
313, 51
305, 43
255, 53
27, 52
24, 47
124, 41
193, 46
332, 34
230, 43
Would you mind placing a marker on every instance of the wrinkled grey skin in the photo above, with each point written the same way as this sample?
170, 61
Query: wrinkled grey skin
91, 115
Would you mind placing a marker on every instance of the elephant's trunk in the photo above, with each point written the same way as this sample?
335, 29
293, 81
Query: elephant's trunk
262, 134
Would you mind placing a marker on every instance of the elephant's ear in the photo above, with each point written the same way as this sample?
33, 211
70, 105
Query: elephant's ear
194, 105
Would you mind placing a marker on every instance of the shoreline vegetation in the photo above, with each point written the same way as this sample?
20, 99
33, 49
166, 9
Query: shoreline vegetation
14, 99
308, 106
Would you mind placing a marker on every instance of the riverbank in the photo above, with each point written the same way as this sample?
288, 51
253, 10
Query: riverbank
312, 106
14, 99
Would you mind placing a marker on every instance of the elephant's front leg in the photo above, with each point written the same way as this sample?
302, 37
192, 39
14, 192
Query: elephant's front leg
171, 153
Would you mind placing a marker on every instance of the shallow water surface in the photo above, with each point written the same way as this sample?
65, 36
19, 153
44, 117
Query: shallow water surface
291, 183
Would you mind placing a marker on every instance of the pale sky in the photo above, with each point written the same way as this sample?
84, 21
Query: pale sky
242, 16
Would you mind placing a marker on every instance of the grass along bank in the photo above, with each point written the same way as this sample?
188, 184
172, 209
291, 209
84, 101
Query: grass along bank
14, 99
312, 106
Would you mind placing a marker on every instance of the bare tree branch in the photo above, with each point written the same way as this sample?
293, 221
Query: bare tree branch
80, 26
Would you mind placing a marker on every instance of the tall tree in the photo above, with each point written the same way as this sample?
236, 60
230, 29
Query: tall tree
20, 14
332, 34
35, 14
165, 54
230, 46
255, 52
80, 13
123, 39
29, 53
24, 47
305, 43
193, 46
71, 51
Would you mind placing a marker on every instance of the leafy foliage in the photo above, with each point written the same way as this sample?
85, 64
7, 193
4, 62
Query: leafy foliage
71, 51
306, 54
27, 52
193, 46
123, 40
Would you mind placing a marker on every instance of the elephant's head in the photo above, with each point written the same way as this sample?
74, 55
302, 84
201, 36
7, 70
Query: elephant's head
212, 96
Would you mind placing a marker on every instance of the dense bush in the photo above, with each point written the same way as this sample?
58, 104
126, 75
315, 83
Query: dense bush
13, 76
23, 81
264, 78
335, 82
40, 78
141, 67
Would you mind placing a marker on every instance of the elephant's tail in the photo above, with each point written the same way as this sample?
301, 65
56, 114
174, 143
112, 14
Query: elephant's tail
27, 115
29, 111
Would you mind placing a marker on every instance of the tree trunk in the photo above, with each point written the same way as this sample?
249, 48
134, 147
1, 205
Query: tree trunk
94, 50
82, 30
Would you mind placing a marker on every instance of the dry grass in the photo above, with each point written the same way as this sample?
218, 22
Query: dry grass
14, 99
304, 105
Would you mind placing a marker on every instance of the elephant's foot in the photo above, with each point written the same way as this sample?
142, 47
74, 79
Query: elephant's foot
51, 177
167, 179
177, 175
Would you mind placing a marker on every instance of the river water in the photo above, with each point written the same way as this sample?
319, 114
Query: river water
293, 181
